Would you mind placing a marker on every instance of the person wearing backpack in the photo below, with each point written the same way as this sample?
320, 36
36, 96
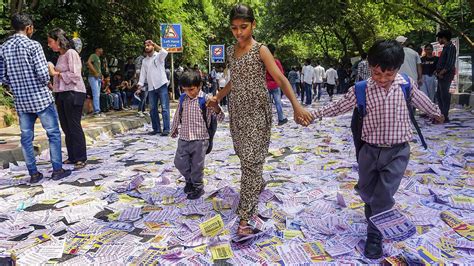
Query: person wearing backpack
195, 124
382, 151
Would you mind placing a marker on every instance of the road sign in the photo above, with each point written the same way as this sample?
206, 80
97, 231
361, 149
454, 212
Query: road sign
172, 37
217, 53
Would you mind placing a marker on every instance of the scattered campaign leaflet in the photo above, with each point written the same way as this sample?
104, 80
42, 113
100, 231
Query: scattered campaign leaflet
393, 225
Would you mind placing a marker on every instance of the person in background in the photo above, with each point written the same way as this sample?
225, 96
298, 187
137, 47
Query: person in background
445, 71
70, 93
25, 71
428, 65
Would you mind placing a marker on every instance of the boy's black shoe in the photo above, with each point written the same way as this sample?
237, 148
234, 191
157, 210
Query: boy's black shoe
60, 174
373, 246
196, 194
164, 134
35, 178
152, 133
188, 188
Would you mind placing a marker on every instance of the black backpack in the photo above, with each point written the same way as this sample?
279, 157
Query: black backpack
211, 127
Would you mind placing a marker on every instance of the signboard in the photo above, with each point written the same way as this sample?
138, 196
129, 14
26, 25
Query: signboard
217, 53
172, 37
437, 49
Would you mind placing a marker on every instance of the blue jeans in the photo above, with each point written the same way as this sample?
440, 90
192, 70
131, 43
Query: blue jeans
117, 100
429, 86
276, 95
293, 86
308, 93
162, 94
143, 97
95, 88
49, 121
319, 87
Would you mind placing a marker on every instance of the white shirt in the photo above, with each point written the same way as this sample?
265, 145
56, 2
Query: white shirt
221, 79
319, 74
308, 74
409, 67
331, 75
153, 70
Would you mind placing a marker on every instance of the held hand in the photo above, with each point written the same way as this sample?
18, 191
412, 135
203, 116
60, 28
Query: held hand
302, 116
137, 92
439, 119
212, 102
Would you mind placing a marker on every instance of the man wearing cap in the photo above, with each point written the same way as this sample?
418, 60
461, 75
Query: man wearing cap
412, 62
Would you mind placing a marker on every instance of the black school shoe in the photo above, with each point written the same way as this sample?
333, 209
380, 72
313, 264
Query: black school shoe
188, 188
195, 194
60, 174
373, 246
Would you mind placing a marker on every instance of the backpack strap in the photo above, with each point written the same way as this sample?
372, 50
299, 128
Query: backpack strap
181, 100
359, 90
202, 105
406, 88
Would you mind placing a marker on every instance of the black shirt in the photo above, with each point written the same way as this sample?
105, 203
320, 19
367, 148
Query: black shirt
428, 64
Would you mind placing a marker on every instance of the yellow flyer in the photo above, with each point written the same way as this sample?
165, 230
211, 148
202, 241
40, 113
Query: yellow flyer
316, 252
463, 229
427, 257
212, 226
222, 251
289, 234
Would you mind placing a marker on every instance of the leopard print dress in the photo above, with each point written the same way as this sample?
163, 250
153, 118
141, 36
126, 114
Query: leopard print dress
250, 123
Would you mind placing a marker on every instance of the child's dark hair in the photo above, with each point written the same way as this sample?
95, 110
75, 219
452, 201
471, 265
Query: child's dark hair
429, 45
21, 21
445, 34
241, 11
190, 78
363, 56
386, 54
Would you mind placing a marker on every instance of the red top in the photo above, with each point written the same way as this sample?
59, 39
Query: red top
271, 83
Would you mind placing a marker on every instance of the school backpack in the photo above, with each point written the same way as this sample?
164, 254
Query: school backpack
211, 127
360, 111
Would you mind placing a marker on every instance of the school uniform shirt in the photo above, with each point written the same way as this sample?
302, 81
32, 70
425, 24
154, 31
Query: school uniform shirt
319, 74
387, 119
331, 76
308, 74
192, 125
25, 71
153, 70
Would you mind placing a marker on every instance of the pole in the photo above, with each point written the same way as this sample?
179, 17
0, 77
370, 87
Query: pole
172, 77
209, 70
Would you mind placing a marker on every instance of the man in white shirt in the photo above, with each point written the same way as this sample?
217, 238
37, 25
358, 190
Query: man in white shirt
319, 76
153, 73
331, 80
308, 79
412, 62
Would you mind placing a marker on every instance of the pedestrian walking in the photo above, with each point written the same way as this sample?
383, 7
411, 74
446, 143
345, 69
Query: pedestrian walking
70, 93
25, 71
249, 108
384, 154
274, 90
153, 73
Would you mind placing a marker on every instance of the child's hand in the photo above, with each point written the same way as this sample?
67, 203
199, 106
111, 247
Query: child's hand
212, 102
174, 135
302, 116
439, 119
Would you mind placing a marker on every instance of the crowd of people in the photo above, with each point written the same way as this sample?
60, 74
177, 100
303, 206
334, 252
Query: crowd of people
252, 80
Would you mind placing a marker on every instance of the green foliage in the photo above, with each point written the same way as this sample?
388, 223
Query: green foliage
5, 98
9, 119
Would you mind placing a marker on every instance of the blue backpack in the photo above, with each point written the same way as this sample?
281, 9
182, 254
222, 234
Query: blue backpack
360, 111
211, 127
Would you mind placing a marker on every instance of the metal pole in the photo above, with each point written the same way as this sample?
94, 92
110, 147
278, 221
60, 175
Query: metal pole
209, 71
172, 77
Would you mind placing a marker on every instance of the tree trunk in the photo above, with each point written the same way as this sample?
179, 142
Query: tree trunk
354, 36
16, 6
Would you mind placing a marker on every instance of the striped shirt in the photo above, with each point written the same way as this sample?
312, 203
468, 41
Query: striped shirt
25, 71
192, 126
447, 60
387, 120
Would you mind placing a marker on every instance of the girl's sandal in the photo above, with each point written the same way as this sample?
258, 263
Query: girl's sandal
68, 162
245, 230
79, 165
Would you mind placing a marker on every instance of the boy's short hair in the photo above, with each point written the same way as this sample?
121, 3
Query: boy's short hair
445, 34
386, 54
190, 78
21, 21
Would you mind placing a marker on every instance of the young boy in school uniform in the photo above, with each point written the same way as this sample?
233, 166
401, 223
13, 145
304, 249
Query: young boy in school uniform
189, 124
386, 131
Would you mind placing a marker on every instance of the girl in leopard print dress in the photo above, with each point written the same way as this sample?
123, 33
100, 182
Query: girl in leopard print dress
250, 108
